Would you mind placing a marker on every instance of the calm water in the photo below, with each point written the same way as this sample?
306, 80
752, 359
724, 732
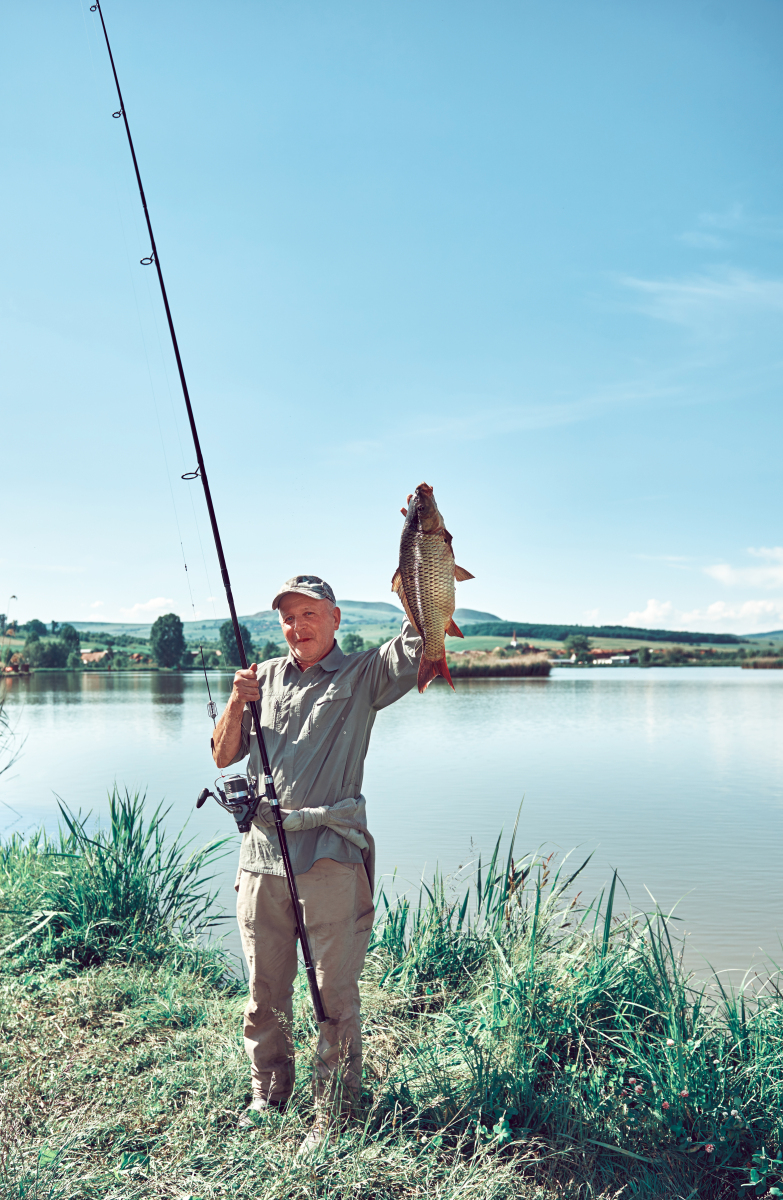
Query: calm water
672, 776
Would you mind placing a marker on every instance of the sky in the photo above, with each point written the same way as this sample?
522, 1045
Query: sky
531, 253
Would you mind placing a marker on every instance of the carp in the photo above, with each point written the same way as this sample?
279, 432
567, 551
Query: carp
424, 581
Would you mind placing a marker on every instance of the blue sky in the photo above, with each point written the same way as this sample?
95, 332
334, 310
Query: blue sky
530, 253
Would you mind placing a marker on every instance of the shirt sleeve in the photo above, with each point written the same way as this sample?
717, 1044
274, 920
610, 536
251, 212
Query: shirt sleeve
395, 666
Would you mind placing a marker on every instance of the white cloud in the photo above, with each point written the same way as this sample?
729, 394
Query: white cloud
748, 616
657, 614
769, 576
734, 221
149, 608
97, 604
703, 241
701, 299
751, 616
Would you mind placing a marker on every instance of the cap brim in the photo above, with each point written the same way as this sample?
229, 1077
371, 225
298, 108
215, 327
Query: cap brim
297, 591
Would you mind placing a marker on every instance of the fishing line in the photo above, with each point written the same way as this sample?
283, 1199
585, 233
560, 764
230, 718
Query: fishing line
153, 391
237, 798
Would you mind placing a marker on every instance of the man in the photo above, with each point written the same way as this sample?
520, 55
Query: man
318, 707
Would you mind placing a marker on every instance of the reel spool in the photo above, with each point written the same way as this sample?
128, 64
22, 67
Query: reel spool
239, 799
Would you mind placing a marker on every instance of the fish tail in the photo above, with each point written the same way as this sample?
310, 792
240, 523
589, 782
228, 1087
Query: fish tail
429, 668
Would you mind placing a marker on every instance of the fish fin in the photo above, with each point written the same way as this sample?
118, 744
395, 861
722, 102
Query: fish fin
453, 629
404, 512
429, 669
397, 581
461, 574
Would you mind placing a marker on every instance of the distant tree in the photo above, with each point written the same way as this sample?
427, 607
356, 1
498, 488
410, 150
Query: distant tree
644, 656
167, 640
228, 644
578, 644
70, 636
74, 661
35, 626
55, 627
352, 643
3, 619
46, 654
270, 650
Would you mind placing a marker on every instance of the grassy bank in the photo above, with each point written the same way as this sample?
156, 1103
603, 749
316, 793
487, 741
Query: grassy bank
518, 1044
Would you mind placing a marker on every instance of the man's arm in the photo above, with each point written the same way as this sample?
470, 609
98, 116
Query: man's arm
227, 738
395, 666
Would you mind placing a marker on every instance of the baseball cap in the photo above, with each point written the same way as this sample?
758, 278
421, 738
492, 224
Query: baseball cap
306, 585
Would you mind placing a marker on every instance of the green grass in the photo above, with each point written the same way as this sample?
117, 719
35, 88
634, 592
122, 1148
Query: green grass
518, 1044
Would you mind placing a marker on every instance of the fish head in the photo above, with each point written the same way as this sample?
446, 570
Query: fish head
423, 510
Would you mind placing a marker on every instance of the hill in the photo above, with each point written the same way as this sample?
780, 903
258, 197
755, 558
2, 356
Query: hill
559, 633
372, 619
473, 614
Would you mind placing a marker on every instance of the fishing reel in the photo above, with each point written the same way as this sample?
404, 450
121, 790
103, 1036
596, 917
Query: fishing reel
239, 799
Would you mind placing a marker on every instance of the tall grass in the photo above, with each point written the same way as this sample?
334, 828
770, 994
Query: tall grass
121, 890
518, 1043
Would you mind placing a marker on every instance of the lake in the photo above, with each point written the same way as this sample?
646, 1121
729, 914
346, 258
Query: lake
671, 775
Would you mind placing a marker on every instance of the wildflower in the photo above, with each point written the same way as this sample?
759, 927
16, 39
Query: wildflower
638, 1089
709, 1147
670, 1041
665, 1105
684, 1093
734, 1112
632, 1079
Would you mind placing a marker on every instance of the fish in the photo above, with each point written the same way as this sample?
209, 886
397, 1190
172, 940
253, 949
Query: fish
424, 581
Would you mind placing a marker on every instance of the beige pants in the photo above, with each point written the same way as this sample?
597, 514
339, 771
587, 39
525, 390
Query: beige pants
338, 914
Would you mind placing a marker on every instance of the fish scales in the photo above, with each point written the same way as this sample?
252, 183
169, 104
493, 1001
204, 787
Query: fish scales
427, 569
424, 581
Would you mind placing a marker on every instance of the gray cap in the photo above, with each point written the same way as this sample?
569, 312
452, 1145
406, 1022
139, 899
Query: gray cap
306, 585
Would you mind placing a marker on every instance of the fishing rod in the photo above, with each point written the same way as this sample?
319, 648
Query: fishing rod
236, 800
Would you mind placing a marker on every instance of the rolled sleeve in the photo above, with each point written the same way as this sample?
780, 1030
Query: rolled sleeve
396, 666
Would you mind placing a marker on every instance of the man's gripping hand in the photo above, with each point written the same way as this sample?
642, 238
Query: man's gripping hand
246, 685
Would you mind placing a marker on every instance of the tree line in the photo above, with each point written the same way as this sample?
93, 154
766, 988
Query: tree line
59, 646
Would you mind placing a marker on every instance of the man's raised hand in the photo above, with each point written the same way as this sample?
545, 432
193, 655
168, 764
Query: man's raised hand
246, 684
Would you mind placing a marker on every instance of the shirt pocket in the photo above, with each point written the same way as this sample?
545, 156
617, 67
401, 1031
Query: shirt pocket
272, 716
330, 709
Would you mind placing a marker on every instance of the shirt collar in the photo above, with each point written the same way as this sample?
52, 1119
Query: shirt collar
331, 662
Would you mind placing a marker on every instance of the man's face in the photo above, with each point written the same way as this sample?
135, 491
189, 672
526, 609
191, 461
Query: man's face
309, 626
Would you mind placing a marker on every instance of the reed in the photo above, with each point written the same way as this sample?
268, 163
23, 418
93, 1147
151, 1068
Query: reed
123, 891
519, 1043
484, 666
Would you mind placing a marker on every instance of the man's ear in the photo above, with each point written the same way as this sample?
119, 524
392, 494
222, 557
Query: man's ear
337, 615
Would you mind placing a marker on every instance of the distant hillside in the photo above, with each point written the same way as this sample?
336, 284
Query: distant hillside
473, 614
377, 617
558, 633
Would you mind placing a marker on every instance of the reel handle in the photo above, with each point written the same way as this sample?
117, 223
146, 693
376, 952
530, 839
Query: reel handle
202, 796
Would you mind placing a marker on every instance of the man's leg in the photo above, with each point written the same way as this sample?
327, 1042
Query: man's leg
268, 931
339, 913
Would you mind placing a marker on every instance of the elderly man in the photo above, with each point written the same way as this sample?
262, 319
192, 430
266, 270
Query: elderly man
318, 707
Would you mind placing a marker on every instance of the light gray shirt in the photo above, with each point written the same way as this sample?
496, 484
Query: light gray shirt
317, 725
